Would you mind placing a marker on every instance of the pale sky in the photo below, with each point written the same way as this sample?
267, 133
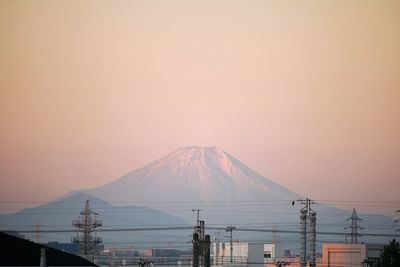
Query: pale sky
307, 93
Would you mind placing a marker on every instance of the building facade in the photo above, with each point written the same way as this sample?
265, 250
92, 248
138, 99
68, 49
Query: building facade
348, 255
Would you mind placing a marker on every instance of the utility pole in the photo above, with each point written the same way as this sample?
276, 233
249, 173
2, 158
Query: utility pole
43, 257
216, 260
230, 229
37, 231
198, 214
354, 227
86, 224
198, 222
274, 235
312, 237
307, 215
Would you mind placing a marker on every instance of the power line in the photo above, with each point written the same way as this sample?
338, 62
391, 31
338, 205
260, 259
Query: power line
139, 229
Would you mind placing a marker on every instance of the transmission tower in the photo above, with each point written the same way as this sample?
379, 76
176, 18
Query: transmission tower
354, 227
201, 244
86, 224
307, 216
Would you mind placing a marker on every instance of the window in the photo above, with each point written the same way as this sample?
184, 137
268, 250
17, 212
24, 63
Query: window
267, 255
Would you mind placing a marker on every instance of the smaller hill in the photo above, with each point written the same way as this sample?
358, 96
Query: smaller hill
58, 215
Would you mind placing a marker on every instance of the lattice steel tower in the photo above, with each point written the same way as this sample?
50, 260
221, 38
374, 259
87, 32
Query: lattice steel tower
354, 227
86, 225
308, 223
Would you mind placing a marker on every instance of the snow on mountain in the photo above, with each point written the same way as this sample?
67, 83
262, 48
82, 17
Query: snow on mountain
194, 174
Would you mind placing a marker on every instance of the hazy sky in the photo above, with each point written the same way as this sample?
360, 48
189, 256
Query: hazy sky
307, 93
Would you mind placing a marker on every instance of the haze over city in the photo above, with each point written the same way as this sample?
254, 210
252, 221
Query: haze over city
305, 93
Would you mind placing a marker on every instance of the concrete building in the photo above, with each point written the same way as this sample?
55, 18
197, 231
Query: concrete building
242, 254
271, 255
273, 251
343, 255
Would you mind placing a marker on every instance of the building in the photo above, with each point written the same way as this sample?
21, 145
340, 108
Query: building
273, 251
272, 255
349, 254
256, 254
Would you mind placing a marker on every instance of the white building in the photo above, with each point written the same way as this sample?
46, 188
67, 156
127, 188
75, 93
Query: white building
256, 254
272, 251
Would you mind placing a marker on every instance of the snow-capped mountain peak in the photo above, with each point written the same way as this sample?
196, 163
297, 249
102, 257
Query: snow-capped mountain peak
193, 174
200, 157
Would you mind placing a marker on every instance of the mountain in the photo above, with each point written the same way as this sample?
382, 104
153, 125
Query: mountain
59, 214
166, 191
194, 174
228, 193
206, 178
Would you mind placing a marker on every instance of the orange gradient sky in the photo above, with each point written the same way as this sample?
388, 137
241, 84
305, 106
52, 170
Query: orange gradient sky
307, 93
